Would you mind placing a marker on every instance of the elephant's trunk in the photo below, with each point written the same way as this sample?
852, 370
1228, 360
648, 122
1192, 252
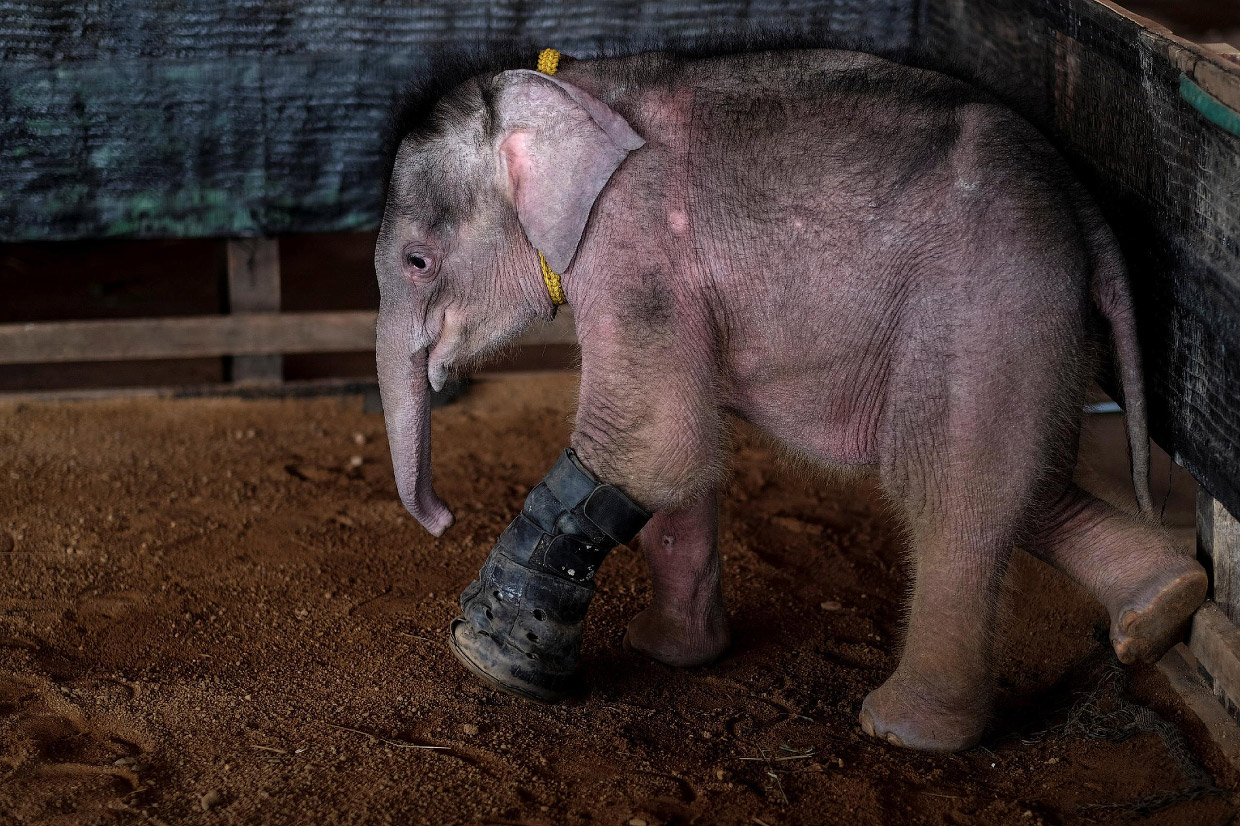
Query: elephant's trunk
401, 361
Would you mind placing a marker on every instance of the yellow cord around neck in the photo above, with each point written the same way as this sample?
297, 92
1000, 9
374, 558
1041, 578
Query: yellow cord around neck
555, 288
548, 62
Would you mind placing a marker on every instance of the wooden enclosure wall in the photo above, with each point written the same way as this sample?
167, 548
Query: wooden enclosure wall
1107, 90
124, 118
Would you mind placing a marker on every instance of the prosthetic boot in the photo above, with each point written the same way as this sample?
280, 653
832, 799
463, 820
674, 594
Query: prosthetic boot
524, 614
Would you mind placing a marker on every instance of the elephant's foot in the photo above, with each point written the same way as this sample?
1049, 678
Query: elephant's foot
911, 714
1147, 622
522, 619
678, 640
521, 630
503, 667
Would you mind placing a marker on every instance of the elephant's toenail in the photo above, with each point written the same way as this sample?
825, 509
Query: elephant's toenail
867, 723
894, 740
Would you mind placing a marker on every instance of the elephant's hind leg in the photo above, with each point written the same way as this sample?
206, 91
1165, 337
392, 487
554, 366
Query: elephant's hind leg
964, 465
1149, 588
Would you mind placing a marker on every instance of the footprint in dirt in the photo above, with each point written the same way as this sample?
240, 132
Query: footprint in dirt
306, 472
123, 629
388, 606
57, 756
94, 605
668, 797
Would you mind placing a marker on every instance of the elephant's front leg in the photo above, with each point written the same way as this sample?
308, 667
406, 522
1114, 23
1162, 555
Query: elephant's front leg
685, 624
521, 620
645, 441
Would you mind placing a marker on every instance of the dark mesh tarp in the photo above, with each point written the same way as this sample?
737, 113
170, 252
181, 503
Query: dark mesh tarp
237, 117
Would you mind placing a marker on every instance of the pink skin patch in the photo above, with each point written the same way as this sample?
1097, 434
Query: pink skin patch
678, 221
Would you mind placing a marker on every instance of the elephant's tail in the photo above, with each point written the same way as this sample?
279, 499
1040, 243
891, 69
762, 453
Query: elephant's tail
1114, 298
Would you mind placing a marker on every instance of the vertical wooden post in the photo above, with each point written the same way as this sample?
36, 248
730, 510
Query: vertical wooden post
1218, 539
253, 287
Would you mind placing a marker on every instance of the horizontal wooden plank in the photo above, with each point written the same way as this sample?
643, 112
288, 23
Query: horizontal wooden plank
204, 336
299, 389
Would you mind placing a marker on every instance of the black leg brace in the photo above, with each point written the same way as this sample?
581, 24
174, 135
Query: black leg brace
524, 614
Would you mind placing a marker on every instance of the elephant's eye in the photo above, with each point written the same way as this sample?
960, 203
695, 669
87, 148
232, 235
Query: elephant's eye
419, 263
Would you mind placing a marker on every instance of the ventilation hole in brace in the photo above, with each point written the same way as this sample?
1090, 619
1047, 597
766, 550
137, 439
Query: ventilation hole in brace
540, 614
531, 655
497, 596
531, 636
490, 616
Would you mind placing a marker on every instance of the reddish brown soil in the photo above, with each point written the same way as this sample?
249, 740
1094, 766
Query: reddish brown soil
213, 605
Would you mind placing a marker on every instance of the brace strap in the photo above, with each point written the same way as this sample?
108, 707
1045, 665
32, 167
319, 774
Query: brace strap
570, 521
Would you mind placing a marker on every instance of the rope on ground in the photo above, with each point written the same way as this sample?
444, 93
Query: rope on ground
1108, 712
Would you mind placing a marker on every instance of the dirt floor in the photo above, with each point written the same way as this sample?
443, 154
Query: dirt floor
216, 611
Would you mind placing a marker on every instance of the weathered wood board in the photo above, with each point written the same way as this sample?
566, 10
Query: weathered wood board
248, 334
253, 266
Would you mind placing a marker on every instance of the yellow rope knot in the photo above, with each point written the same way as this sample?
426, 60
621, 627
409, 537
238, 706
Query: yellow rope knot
548, 62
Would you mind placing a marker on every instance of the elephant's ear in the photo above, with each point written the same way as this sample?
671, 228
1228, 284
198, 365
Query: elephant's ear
559, 145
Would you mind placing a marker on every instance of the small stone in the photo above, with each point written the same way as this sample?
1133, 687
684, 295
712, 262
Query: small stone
359, 439
355, 461
720, 774
1053, 761
469, 728
211, 800
637, 821
831, 605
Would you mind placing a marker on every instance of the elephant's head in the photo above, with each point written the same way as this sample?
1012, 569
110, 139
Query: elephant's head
503, 167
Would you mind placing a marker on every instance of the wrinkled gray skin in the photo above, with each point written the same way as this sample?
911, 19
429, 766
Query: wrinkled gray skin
873, 264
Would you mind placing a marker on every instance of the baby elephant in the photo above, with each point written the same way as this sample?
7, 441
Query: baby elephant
877, 265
